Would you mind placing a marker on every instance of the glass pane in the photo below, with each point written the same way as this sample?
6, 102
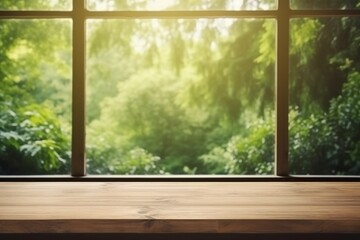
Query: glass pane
35, 4
181, 5
35, 96
325, 4
325, 96
180, 96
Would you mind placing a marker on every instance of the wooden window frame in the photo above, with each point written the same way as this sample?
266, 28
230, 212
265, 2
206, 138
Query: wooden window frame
79, 14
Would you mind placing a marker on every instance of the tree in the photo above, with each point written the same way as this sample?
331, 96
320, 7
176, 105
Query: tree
145, 114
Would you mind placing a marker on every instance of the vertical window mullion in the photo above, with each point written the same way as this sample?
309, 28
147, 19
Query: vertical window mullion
281, 89
78, 92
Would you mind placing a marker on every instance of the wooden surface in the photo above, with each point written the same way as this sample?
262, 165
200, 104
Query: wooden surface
179, 207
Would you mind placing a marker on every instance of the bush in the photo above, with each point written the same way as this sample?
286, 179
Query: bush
32, 141
328, 143
112, 161
250, 153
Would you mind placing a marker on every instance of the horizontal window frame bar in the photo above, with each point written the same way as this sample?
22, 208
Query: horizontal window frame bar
180, 178
10, 14
35, 14
181, 14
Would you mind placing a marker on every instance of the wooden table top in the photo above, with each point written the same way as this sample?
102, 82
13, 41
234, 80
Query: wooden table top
179, 207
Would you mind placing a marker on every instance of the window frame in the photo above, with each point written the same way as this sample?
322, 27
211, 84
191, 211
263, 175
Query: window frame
79, 14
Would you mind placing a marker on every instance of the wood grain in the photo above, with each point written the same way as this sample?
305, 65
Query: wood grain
182, 207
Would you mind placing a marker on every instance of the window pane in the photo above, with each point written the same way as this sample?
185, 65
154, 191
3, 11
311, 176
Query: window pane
325, 96
180, 96
325, 4
35, 96
35, 4
181, 5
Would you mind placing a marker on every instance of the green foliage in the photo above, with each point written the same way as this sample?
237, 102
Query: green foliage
328, 143
34, 96
249, 153
98, 71
238, 79
32, 141
35, 4
194, 87
324, 143
323, 52
145, 114
136, 161
324, 4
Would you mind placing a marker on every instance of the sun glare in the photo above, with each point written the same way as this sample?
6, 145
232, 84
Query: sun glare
159, 4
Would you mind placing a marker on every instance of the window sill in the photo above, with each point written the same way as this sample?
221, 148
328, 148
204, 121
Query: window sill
180, 207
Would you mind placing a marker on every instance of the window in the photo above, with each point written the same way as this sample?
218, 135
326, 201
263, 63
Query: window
258, 87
